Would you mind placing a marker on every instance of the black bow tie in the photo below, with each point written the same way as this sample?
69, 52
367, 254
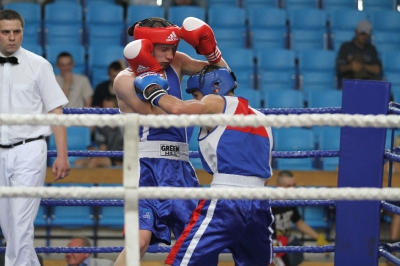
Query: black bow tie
11, 59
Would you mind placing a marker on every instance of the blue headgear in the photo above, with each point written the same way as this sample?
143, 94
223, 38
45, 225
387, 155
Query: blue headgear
224, 80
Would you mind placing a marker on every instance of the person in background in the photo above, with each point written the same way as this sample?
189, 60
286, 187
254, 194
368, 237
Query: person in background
76, 87
28, 86
282, 226
108, 139
395, 227
105, 89
358, 58
83, 259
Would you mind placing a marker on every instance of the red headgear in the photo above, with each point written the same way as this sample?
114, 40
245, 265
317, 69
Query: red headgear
170, 34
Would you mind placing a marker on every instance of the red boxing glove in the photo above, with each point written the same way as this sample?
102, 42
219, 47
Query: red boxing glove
198, 34
139, 55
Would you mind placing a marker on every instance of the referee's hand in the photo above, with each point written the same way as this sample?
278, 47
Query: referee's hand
60, 168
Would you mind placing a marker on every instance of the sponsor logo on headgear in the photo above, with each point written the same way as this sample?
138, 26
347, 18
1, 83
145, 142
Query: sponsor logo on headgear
172, 37
169, 150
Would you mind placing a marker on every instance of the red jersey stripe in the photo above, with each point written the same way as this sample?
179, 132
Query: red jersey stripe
242, 109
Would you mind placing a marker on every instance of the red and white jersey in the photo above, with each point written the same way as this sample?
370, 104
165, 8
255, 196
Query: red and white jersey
243, 151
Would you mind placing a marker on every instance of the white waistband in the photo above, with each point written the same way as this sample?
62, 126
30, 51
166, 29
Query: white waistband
226, 180
164, 149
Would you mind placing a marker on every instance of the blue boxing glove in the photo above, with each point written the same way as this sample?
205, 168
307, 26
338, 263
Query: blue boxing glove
146, 92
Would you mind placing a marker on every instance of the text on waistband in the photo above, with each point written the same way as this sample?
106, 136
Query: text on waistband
169, 150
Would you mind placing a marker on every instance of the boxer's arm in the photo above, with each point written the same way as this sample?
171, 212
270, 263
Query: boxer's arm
128, 101
190, 66
210, 104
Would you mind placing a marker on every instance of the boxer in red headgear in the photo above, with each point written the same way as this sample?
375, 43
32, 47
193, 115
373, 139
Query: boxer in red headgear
154, 50
140, 54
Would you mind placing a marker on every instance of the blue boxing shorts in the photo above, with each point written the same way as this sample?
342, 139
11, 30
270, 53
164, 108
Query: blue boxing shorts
163, 216
242, 226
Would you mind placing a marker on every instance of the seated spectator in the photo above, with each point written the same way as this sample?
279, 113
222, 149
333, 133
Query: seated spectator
108, 139
76, 87
282, 226
105, 89
80, 259
358, 58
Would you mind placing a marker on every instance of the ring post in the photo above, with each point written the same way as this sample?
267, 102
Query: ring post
360, 165
131, 184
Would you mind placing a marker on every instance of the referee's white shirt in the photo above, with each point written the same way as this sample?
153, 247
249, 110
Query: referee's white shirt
29, 87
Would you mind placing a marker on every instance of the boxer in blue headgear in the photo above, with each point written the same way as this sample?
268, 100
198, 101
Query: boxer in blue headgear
236, 157
212, 80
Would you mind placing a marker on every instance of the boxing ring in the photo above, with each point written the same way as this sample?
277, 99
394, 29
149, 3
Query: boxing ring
358, 198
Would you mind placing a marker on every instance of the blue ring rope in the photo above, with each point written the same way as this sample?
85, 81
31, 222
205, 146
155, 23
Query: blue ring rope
267, 111
388, 206
388, 256
195, 154
393, 156
390, 247
165, 249
394, 108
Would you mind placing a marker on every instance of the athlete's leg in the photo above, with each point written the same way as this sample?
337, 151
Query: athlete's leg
255, 247
395, 228
144, 239
121, 260
204, 238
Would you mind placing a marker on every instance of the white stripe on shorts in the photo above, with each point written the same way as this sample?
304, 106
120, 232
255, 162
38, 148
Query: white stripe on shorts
199, 233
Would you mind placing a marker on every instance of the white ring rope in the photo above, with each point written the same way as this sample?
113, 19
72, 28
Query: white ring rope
301, 120
207, 193
207, 120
